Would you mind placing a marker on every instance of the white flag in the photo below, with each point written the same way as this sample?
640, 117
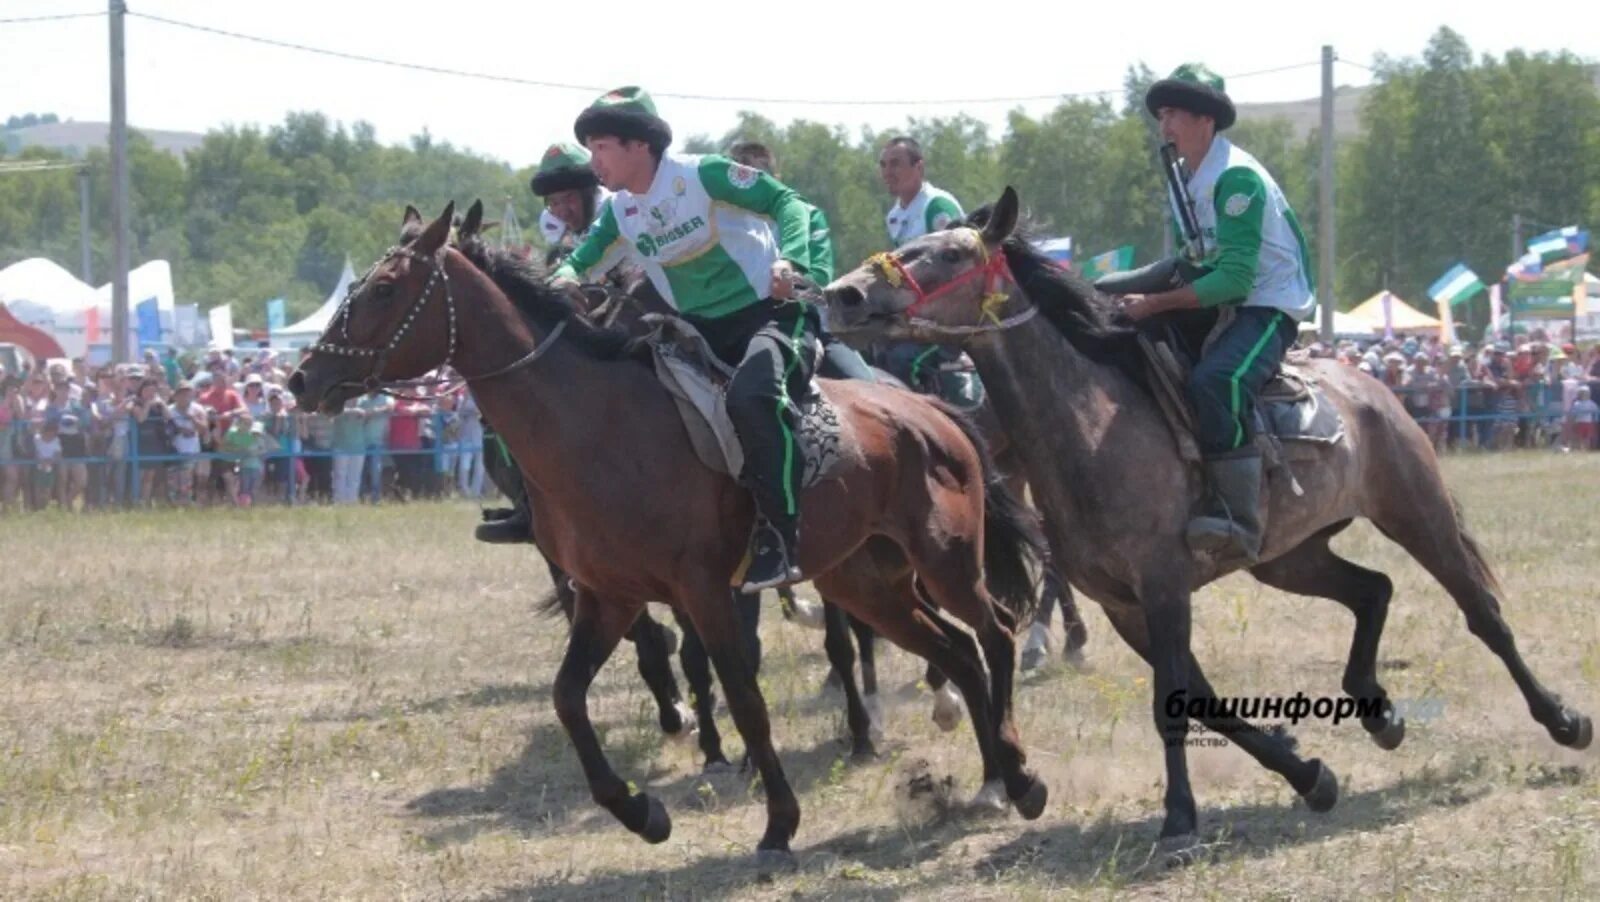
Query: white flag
1494, 310
221, 319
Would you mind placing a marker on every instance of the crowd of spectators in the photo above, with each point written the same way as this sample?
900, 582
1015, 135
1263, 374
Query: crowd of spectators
220, 429
1527, 392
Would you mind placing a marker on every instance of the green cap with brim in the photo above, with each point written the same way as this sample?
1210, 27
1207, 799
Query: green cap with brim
1195, 88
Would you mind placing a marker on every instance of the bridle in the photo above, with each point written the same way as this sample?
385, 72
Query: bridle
374, 381
994, 271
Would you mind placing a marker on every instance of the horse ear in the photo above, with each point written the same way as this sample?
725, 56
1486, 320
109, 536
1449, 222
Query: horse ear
473, 224
1002, 219
412, 217
437, 232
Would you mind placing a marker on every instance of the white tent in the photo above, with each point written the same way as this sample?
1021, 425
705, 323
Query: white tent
37, 291
1344, 325
309, 329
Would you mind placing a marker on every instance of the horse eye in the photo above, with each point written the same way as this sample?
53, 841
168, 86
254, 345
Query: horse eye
383, 290
950, 255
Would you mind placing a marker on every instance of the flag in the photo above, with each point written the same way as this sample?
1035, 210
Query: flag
1456, 285
1118, 260
185, 323
1528, 266
221, 320
91, 325
1057, 249
1580, 298
1494, 310
1447, 324
149, 321
275, 315
1559, 244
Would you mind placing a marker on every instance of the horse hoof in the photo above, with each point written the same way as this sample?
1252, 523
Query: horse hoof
775, 861
717, 768
1178, 851
1031, 805
1390, 735
864, 754
1032, 659
808, 613
1577, 731
1076, 659
658, 825
947, 709
689, 729
991, 797
1324, 794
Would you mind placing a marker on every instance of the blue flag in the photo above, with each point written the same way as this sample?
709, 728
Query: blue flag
149, 321
275, 315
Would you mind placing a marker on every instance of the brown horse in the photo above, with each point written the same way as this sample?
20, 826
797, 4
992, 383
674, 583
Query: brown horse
910, 526
1104, 468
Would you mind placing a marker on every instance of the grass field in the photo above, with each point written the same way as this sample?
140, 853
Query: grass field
355, 703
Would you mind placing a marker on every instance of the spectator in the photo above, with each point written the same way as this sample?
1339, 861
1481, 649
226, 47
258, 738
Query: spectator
350, 450
243, 444
46, 460
378, 408
317, 431
150, 437
405, 443
73, 477
1584, 416
13, 425
187, 421
220, 396
255, 398
469, 459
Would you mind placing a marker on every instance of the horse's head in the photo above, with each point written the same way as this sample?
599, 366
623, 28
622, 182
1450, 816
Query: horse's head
396, 323
944, 284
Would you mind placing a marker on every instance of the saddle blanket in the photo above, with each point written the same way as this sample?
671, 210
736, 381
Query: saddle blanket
697, 381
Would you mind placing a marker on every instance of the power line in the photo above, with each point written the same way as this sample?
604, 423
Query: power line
1357, 65
591, 89
57, 17
36, 166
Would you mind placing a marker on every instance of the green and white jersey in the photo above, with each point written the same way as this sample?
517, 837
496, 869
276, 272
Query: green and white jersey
931, 210
1255, 248
706, 234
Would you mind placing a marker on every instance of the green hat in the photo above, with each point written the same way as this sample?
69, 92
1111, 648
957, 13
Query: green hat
563, 168
624, 113
1195, 88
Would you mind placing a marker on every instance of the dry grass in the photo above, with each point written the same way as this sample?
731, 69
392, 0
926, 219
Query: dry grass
355, 704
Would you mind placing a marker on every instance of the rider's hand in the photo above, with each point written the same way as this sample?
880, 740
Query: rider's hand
1140, 306
565, 285
783, 276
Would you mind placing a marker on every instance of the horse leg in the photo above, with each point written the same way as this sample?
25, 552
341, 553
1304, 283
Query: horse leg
702, 692
1166, 623
1071, 618
597, 627
867, 644
946, 701
1036, 648
1427, 525
1313, 569
842, 658
748, 606
650, 643
719, 628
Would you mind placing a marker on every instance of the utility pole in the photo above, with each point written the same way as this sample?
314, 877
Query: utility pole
1516, 237
119, 188
1325, 202
83, 226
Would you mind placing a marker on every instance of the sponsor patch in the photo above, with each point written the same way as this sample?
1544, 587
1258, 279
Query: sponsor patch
678, 187
1237, 204
742, 176
940, 220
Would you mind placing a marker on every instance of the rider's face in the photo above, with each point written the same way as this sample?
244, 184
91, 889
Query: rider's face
568, 207
1191, 132
899, 174
620, 163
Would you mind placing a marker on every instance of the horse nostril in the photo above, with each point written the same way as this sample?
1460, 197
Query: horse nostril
297, 384
849, 296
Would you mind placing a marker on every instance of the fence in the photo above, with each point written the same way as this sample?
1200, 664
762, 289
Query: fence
115, 476
1483, 414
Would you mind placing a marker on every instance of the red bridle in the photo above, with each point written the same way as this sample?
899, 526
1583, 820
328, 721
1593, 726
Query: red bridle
994, 271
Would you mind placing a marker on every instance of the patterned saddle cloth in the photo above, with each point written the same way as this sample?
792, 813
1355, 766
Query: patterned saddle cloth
698, 381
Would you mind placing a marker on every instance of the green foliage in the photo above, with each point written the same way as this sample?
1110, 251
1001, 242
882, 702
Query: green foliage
1451, 147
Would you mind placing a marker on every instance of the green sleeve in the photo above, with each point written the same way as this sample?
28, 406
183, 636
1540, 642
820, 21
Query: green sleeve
1241, 202
754, 190
593, 250
821, 241
941, 213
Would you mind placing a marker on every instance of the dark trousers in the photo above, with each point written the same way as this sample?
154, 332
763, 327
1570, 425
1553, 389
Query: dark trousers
1225, 383
773, 347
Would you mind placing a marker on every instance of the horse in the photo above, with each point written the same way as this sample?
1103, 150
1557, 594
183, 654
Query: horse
1069, 387
918, 524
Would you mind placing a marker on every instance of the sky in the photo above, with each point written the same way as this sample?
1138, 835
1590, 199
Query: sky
982, 55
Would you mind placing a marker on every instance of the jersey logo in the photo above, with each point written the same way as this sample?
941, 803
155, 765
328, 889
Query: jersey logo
663, 212
940, 220
1237, 204
742, 176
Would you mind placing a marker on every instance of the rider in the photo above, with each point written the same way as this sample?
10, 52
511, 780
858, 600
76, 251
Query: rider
1258, 270
572, 196
919, 208
722, 243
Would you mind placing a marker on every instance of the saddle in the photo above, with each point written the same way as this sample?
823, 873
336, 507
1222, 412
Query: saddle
698, 382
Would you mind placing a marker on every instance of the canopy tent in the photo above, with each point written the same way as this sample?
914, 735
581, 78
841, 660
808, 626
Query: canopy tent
43, 295
309, 329
36, 341
1403, 316
1344, 326
37, 291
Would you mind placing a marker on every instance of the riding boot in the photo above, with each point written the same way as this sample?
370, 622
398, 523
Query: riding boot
773, 559
515, 527
1230, 524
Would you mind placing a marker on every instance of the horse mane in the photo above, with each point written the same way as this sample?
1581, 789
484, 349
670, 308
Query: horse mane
523, 282
1087, 319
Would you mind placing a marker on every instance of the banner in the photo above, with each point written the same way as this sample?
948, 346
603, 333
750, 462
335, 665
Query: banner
1388, 315
1118, 260
1551, 294
91, 325
149, 318
1447, 325
1495, 311
221, 319
275, 315
1559, 244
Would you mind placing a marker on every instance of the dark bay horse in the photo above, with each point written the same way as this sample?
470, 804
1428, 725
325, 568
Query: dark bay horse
914, 523
1067, 384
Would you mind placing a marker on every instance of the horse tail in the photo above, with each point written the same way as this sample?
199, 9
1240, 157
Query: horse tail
1012, 538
